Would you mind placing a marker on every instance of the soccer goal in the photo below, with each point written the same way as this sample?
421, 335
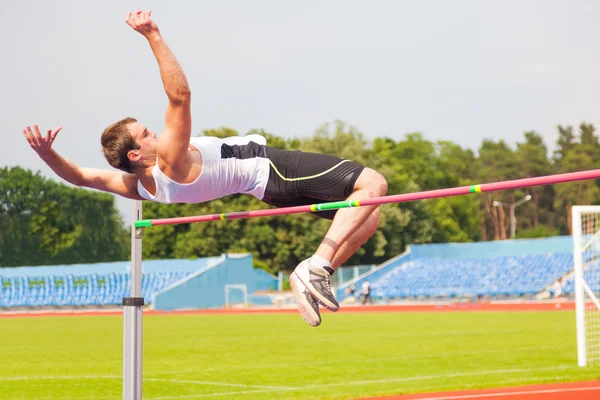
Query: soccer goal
586, 258
236, 295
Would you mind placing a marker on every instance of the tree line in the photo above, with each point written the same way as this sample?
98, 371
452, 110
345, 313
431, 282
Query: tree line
48, 223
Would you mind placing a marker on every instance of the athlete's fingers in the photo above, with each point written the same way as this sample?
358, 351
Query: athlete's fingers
32, 136
55, 132
48, 135
26, 136
139, 18
38, 135
129, 19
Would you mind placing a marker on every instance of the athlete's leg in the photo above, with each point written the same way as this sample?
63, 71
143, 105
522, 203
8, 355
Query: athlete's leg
350, 228
298, 178
356, 240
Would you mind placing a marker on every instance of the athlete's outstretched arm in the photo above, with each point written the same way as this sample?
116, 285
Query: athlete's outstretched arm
101, 179
173, 143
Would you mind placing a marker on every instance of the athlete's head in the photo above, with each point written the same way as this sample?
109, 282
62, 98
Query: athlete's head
128, 145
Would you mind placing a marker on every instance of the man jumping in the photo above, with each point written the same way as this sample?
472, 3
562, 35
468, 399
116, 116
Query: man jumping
177, 168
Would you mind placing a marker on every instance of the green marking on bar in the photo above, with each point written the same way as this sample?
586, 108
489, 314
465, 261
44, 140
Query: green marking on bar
472, 189
334, 206
143, 223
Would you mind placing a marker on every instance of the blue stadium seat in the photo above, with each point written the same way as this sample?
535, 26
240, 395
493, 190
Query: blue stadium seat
79, 290
497, 276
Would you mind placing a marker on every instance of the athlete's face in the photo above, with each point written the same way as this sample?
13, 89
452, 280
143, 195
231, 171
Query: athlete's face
146, 139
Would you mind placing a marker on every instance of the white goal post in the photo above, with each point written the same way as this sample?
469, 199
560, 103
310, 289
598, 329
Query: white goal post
236, 287
586, 259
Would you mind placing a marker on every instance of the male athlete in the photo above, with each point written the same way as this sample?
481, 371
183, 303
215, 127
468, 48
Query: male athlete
177, 168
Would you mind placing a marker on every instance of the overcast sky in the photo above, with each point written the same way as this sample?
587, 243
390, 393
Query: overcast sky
460, 70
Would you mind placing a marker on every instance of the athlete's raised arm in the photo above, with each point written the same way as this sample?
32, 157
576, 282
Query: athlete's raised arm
173, 143
120, 183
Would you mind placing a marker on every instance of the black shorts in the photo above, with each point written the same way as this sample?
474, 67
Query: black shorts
297, 178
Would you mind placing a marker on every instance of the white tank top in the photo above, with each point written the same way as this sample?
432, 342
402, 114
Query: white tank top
236, 164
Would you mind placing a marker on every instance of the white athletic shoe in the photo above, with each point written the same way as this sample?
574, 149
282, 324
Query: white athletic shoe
308, 306
317, 282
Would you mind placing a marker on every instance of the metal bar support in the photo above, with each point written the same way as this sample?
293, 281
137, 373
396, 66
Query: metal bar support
133, 315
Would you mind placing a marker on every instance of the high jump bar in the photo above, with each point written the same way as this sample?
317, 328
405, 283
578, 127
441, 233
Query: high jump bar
398, 198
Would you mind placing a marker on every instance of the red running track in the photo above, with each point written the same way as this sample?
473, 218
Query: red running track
454, 307
589, 390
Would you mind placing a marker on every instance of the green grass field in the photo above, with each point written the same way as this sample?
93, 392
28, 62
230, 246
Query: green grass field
280, 357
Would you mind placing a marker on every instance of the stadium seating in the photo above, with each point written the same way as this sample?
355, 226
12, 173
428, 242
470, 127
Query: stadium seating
591, 276
425, 272
496, 277
80, 290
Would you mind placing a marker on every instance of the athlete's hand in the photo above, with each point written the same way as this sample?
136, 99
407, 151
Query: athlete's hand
41, 144
141, 22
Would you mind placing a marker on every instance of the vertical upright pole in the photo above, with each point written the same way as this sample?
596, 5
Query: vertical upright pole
132, 316
513, 227
579, 294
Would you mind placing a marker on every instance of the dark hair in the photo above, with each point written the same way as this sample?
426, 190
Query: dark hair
117, 142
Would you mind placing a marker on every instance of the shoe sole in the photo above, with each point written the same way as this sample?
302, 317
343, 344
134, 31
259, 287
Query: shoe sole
320, 299
306, 311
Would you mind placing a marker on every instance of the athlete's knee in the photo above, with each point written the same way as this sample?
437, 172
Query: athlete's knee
382, 185
374, 182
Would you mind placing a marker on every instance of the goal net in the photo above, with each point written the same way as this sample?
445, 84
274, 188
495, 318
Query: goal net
236, 295
586, 258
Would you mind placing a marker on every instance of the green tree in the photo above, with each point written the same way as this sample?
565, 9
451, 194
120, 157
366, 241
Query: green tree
532, 158
564, 143
456, 219
587, 135
46, 223
496, 162
222, 132
577, 157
